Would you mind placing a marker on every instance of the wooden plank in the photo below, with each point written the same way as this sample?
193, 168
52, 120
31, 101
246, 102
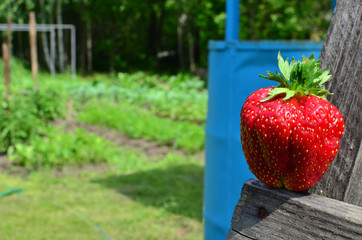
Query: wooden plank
6, 59
232, 235
354, 194
342, 51
266, 213
9, 35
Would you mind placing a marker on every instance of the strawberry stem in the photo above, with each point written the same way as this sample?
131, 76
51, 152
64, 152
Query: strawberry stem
298, 78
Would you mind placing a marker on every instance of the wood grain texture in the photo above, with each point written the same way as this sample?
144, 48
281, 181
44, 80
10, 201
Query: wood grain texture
33, 48
342, 52
291, 215
353, 193
232, 235
6, 60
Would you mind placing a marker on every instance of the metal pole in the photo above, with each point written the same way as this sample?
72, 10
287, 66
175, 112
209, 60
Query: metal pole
232, 20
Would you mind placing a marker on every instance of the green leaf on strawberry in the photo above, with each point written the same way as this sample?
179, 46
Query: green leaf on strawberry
303, 78
289, 133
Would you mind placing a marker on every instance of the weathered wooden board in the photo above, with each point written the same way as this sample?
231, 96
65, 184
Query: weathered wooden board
342, 51
266, 213
232, 235
353, 193
33, 48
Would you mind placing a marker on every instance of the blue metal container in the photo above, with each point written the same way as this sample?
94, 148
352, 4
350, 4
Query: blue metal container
233, 75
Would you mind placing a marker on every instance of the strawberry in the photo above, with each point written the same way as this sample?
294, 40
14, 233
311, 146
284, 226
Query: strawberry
290, 134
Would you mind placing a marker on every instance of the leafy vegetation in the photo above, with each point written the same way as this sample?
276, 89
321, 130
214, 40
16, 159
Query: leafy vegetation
179, 97
284, 19
82, 186
60, 149
168, 109
163, 35
139, 123
24, 115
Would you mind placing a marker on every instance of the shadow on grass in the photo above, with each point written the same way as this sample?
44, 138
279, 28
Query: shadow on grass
175, 189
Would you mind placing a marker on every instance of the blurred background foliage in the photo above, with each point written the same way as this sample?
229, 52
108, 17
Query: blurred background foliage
161, 35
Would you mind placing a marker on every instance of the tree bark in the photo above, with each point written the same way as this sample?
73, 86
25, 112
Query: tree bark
180, 47
60, 36
197, 45
44, 38
155, 28
152, 41
191, 50
82, 48
112, 66
89, 47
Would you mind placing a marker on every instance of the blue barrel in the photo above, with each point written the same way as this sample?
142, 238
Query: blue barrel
232, 76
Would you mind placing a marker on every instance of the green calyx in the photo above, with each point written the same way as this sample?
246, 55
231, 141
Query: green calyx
298, 78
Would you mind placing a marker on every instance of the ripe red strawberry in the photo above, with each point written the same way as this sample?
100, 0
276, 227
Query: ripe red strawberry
290, 134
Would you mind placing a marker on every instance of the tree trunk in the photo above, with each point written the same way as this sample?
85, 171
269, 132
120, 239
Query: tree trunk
152, 41
112, 67
197, 45
89, 47
82, 59
44, 38
180, 26
155, 29
191, 50
53, 42
52, 48
60, 36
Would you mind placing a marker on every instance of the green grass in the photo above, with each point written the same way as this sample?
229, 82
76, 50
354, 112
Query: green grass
135, 199
140, 123
138, 197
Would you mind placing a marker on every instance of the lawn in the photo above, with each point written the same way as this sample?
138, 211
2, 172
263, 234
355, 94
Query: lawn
80, 185
154, 200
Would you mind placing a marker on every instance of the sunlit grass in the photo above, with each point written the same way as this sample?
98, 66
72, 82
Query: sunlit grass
139, 123
149, 200
128, 196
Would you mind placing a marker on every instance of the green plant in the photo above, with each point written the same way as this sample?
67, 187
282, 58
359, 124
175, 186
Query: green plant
49, 103
180, 97
59, 149
19, 121
139, 123
25, 112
